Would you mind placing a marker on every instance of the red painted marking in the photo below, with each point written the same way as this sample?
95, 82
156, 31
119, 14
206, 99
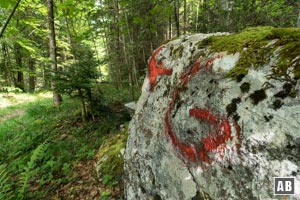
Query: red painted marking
185, 77
217, 139
209, 63
222, 129
155, 69
203, 114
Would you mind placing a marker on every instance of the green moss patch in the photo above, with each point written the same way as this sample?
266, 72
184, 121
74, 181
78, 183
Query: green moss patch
177, 53
110, 159
245, 87
277, 104
232, 108
258, 96
252, 43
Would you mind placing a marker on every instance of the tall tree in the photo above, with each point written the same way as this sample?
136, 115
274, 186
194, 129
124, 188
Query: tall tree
53, 53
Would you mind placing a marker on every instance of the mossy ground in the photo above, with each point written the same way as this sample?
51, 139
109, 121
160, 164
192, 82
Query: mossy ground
252, 43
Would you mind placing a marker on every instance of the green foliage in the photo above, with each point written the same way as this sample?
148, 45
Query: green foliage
6, 191
24, 177
105, 195
6, 3
236, 15
79, 78
81, 74
35, 168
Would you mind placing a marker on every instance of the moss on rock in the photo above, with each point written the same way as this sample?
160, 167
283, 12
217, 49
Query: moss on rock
177, 53
252, 43
245, 87
258, 96
110, 159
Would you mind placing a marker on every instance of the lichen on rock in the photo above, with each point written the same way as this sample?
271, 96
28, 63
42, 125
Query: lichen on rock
222, 119
109, 166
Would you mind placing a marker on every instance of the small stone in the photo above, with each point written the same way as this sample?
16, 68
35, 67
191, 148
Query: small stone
63, 136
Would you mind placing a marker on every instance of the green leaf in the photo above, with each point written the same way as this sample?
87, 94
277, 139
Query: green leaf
26, 45
7, 3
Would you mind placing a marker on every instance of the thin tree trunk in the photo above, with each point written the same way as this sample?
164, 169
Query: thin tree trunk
31, 75
184, 17
83, 106
170, 27
133, 74
9, 18
176, 15
205, 16
19, 83
69, 33
52, 51
129, 69
298, 20
8, 75
117, 43
197, 15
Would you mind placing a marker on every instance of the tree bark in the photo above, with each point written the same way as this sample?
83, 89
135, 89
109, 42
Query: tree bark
19, 83
205, 17
298, 20
118, 81
170, 27
6, 68
184, 17
52, 51
31, 75
176, 15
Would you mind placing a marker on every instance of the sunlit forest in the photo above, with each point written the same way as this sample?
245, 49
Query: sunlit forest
68, 67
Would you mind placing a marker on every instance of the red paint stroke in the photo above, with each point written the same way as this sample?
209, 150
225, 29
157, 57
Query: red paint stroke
185, 77
155, 69
203, 114
215, 139
209, 63
222, 128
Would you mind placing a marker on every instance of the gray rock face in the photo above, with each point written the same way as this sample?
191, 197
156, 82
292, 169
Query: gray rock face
197, 134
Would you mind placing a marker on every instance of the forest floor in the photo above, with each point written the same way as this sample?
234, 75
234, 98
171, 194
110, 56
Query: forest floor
18, 112
49, 153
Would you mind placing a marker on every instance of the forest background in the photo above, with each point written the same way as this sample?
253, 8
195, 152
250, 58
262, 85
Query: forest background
92, 55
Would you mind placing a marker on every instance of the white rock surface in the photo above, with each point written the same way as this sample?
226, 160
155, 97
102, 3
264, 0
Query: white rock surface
213, 154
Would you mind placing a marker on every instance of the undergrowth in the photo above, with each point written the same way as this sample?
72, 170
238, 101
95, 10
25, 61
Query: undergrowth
41, 147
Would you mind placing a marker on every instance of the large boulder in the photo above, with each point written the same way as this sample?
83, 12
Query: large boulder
218, 118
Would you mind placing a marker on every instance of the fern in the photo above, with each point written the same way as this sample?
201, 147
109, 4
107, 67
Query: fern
24, 178
5, 184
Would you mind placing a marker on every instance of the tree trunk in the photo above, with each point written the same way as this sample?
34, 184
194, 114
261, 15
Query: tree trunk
117, 44
31, 75
83, 106
298, 20
19, 83
8, 74
184, 17
52, 51
170, 27
205, 17
176, 15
